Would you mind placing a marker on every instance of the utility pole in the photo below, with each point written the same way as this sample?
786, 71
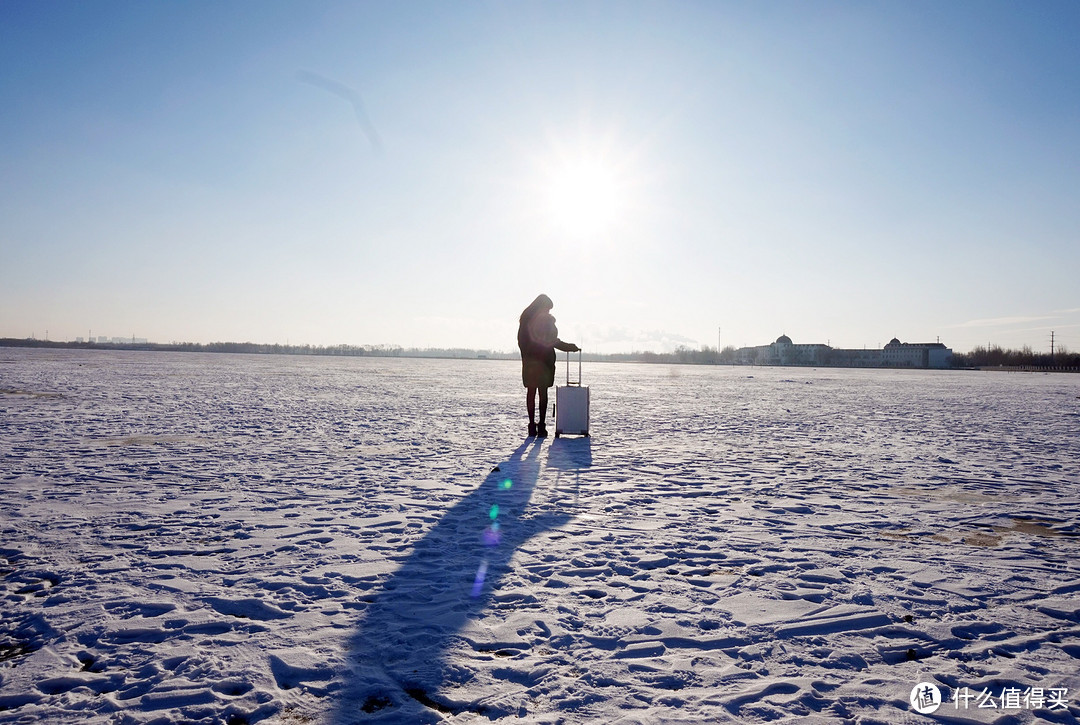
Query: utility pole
1051, 343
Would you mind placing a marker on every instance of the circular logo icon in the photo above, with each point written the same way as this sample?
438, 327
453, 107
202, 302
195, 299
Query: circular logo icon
925, 698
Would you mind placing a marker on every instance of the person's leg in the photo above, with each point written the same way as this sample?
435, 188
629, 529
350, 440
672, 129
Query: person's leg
541, 428
530, 404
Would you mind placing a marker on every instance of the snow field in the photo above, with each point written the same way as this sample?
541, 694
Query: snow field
215, 538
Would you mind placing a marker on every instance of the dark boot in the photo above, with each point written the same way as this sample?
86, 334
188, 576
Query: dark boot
532, 429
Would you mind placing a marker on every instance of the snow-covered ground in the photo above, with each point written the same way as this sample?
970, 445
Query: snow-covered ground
234, 539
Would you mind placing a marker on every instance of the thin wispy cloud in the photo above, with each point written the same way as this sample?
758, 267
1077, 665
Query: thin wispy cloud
1005, 321
348, 94
625, 338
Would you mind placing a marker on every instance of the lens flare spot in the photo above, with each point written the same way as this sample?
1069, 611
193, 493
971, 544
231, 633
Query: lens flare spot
494, 512
492, 537
478, 583
507, 483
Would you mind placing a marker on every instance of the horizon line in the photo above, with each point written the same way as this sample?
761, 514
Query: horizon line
135, 342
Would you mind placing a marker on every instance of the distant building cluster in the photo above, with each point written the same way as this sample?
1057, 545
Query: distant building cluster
896, 354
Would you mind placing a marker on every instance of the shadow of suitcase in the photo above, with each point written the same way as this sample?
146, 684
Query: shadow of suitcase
572, 405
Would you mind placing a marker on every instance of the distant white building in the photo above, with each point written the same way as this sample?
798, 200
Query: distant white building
915, 354
895, 354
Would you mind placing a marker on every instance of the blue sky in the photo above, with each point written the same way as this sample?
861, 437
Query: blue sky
839, 172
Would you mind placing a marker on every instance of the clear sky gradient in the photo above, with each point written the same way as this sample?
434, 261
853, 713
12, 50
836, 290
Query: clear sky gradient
415, 173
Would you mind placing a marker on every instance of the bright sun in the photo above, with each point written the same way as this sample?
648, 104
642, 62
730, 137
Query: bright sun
583, 197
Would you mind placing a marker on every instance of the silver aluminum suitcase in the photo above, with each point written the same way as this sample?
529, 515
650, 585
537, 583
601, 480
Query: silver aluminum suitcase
572, 404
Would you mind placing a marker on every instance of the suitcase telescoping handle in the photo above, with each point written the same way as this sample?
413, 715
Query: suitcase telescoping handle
568, 380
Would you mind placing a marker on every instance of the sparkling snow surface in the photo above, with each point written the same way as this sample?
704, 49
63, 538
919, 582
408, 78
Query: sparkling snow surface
234, 539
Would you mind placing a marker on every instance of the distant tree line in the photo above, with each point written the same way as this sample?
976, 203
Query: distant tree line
335, 350
682, 355
256, 348
991, 356
995, 356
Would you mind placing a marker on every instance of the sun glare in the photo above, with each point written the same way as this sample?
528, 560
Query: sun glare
583, 198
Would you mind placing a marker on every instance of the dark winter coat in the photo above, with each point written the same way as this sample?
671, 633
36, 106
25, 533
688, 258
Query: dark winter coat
537, 339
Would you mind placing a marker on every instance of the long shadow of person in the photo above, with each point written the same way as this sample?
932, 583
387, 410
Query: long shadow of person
568, 457
397, 658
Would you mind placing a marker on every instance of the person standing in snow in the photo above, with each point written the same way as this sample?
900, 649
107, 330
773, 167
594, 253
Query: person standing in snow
537, 339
